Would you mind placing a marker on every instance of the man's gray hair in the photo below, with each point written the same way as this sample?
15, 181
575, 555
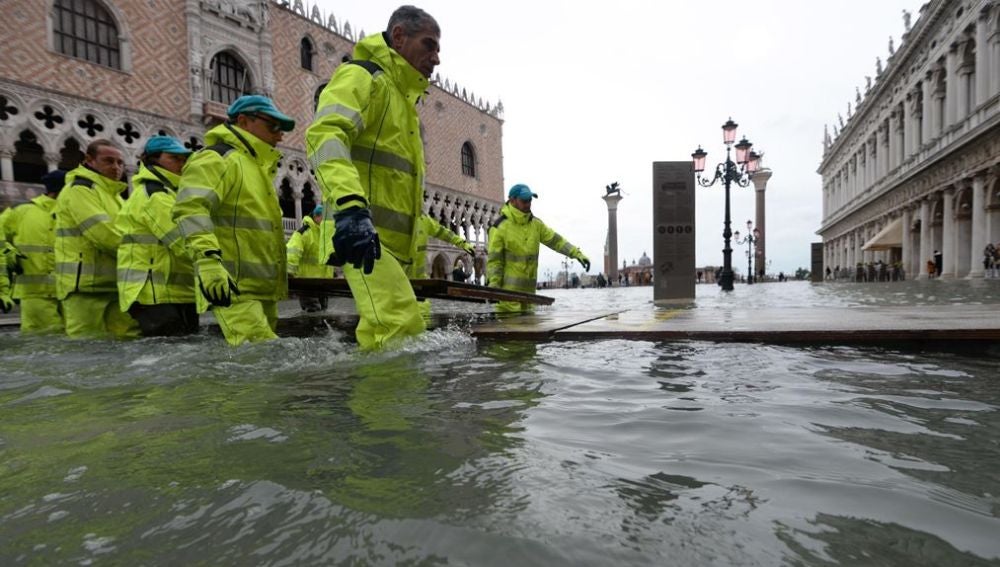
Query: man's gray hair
413, 20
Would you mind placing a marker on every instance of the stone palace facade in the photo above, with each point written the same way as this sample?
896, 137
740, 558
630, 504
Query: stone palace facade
914, 168
76, 70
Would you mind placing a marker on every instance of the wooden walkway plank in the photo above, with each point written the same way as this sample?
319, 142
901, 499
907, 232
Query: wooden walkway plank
854, 324
423, 288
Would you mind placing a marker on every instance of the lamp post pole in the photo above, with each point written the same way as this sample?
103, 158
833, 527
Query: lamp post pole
728, 172
753, 234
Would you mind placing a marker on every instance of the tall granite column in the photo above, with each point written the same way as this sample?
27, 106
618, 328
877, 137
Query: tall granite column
979, 237
759, 179
611, 259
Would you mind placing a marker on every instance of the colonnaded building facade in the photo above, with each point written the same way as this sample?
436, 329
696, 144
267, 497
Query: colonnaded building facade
125, 70
914, 169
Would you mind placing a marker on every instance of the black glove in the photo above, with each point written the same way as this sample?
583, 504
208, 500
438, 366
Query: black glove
585, 263
17, 268
355, 241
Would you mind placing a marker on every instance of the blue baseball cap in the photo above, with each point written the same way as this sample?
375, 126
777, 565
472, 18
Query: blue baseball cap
521, 191
260, 104
54, 180
165, 144
317, 211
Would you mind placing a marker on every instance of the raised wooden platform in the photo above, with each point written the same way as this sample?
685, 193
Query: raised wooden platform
887, 324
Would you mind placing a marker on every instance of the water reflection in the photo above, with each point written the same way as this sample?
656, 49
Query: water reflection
449, 451
839, 540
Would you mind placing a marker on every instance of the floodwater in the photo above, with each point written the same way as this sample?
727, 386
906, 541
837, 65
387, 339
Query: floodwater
450, 451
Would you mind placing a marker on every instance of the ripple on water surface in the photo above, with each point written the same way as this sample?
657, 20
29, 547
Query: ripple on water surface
305, 451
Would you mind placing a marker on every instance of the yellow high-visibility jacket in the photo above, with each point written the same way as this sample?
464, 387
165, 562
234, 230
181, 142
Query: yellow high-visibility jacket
426, 229
365, 145
513, 249
227, 202
153, 266
304, 252
86, 238
30, 229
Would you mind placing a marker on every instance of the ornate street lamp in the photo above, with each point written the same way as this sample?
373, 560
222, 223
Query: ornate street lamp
752, 235
728, 172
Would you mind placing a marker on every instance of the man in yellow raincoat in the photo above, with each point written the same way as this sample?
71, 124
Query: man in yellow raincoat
229, 217
155, 276
30, 229
512, 261
366, 151
86, 245
306, 260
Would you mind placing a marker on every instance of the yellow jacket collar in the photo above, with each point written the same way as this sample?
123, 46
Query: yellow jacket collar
147, 174
264, 154
410, 81
101, 183
513, 214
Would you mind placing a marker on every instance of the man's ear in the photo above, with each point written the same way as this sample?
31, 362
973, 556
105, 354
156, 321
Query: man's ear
396, 36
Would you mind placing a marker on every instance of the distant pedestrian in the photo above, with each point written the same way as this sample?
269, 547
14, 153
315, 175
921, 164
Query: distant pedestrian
931, 269
938, 262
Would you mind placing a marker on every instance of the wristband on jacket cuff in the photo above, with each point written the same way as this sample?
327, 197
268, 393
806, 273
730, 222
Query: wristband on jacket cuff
341, 202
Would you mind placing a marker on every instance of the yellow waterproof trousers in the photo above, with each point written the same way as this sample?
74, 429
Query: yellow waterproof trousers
385, 302
97, 316
249, 320
42, 316
511, 307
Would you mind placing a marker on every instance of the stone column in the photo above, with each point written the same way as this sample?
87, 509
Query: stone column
978, 227
948, 245
7, 165
873, 156
983, 68
297, 195
994, 57
52, 162
611, 260
925, 239
907, 248
928, 108
760, 179
962, 104
951, 87
907, 128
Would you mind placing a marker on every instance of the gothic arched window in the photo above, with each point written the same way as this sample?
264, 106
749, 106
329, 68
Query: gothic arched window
85, 29
468, 160
230, 78
306, 53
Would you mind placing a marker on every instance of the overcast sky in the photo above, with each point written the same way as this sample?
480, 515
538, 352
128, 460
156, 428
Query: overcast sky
594, 93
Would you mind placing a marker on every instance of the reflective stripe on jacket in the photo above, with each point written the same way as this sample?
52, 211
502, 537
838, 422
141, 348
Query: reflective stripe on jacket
304, 252
86, 240
513, 249
227, 202
153, 266
365, 145
30, 228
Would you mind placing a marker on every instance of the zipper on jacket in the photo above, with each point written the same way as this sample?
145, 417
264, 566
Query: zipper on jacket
79, 272
152, 284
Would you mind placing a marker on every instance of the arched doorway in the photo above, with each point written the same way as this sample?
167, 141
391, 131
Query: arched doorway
70, 156
286, 199
29, 158
439, 268
308, 199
